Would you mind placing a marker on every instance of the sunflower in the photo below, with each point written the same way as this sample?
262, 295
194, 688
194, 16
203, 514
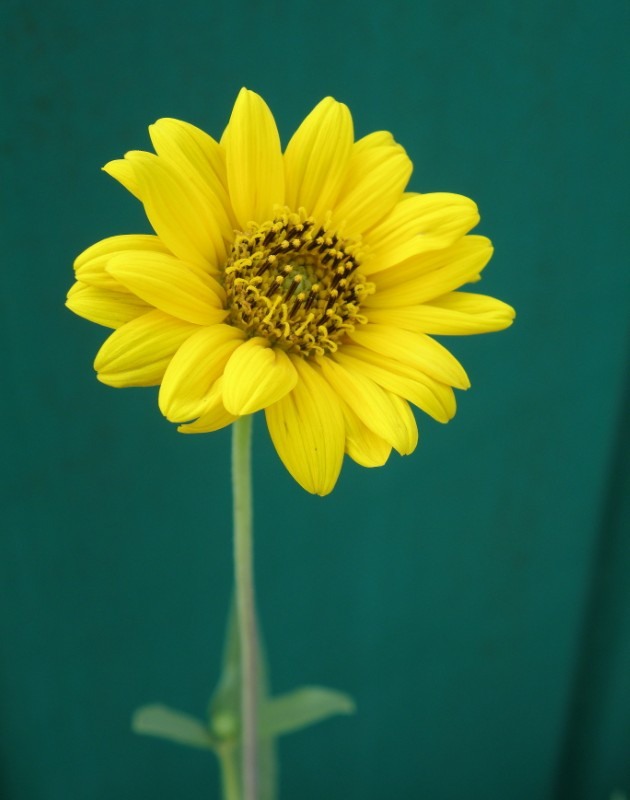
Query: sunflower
307, 284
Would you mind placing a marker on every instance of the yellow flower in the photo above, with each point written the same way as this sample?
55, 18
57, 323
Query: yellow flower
306, 283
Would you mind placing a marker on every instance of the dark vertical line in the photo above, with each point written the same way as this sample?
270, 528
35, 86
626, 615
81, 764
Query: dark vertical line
605, 628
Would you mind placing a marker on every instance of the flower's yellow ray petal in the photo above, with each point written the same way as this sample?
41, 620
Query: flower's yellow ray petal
371, 403
181, 290
362, 445
175, 139
416, 349
178, 211
406, 414
104, 306
453, 314
198, 363
90, 265
215, 416
418, 224
121, 170
372, 140
94, 273
478, 305
377, 176
433, 397
115, 244
256, 376
470, 251
138, 353
255, 168
200, 160
316, 158
308, 430
430, 275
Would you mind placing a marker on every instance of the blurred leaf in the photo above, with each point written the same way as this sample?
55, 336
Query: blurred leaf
301, 708
167, 723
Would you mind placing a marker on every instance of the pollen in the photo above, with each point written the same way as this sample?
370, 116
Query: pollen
295, 283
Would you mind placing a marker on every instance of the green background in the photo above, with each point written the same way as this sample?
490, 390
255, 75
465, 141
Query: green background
474, 597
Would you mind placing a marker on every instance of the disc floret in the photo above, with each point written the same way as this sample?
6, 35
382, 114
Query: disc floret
295, 283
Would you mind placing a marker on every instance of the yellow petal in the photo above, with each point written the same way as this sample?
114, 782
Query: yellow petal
371, 403
90, 265
418, 224
434, 398
308, 431
372, 140
215, 416
405, 413
104, 306
456, 313
121, 170
138, 353
415, 349
362, 445
200, 160
255, 169
181, 290
114, 244
195, 153
185, 390
256, 376
178, 211
316, 158
377, 176
430, 275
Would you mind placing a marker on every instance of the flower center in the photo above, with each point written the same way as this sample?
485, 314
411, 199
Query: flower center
296, 284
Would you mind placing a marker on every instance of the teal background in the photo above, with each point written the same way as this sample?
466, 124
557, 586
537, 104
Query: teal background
474, 597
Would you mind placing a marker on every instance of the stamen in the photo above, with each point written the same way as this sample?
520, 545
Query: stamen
296, 282
277, 283
329, 256
263, 267
339, 272
298, 302
312, 297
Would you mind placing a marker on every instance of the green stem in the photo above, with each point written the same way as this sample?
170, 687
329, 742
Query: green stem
245, 602
229, 773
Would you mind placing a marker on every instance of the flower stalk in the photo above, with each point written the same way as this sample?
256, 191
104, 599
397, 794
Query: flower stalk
230, 779
245, 602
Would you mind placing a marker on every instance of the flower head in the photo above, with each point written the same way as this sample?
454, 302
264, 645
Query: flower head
306, 283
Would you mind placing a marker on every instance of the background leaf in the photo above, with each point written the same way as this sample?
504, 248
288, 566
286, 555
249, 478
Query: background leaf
303, 707
167, 723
